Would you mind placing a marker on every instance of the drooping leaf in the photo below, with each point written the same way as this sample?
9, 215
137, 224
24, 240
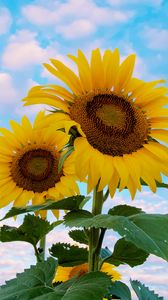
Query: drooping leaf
124, 210
145, 231
31, 231
69, 255
79, 236
143, 292
92, 285
70, 203
32, 283
120, 290
127, 253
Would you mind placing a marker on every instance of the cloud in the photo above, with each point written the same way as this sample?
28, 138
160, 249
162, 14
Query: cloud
135, 2
74, 19
8, 92
5, 20
23, 50
156, 38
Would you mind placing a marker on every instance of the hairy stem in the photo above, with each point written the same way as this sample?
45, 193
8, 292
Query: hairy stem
95, 238
42, 247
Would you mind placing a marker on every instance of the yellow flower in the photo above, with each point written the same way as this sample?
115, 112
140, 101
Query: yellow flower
66, 273
120, 120
29, 157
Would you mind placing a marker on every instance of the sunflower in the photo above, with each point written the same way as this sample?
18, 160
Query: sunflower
66, 273
121, 120
29, 158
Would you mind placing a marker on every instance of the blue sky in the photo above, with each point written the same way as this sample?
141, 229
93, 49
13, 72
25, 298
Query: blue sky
31, 32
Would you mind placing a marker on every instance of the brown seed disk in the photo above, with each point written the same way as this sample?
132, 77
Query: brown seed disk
36, 170
113, 125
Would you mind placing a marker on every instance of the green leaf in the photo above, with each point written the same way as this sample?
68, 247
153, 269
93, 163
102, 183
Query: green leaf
79, 236
31, 231
80, 218
145, 231
92, 285
124, 210
120, 290
70, 203
143, 292
64, 157
69, 255
127, 253
32, 283
105, 253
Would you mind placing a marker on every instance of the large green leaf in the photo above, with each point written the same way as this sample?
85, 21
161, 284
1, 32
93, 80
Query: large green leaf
147, 232
143, 292
79, 236
32, 283
89, 286
127, 253
31, 231
124, 210
71, 203
69, 255
120, 290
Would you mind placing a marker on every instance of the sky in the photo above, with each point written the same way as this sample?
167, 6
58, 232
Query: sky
31, 32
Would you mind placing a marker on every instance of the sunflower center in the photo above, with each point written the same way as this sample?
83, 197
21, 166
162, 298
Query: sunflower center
113, 124
111, 115
36, 170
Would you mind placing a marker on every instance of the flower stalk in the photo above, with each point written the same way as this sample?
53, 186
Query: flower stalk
96, 235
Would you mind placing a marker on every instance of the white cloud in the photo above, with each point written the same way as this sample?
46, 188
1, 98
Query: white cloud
23, 50
156, 38
5, 20
127, 2
8, 92
78, 28
74, 19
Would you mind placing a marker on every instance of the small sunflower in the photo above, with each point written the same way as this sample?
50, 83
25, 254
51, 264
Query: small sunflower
120, 120
66, 273
29, 157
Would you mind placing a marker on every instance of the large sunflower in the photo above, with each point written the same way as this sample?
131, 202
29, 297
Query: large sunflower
120, 120
66, 273
29, 157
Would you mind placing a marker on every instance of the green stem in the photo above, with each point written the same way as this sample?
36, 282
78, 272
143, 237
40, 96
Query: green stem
42, 247
94, 236
37, 254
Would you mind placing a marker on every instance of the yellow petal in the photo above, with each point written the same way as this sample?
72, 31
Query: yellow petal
63, 78
125, 72
97, 70
159, 122
68, 73
7, 198
23, 199
113, 184
160, 134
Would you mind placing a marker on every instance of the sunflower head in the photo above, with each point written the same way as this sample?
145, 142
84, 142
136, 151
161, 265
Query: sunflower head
66, 273
29, 159
122, 121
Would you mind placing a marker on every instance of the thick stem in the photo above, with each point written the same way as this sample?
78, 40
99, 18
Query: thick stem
94, 236
37, 254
